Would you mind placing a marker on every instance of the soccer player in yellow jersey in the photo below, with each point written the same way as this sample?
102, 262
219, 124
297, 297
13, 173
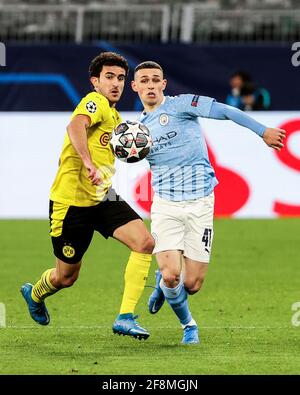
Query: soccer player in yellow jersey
83, 201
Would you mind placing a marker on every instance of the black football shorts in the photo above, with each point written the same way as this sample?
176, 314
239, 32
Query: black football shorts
72, 227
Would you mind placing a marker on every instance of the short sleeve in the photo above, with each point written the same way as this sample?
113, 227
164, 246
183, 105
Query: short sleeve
94, 105
193, 105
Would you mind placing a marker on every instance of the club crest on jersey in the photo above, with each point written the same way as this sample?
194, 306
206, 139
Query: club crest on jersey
195, 100
91, 106
68, 251
163, 119
104, 139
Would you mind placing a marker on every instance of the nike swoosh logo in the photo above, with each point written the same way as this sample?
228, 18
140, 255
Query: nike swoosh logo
153, 309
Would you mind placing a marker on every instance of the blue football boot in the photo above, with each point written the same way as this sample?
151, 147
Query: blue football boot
190, 335
157, 298
125, 324
37, 311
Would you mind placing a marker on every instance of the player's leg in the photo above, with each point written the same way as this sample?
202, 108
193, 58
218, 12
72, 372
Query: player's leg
136, 236
174, 291
120, 221
198, 242
194, 275
63, 275
197, 248
169, 263
52, 280
70, 239
167, 229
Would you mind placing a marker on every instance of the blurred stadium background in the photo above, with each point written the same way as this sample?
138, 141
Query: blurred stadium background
49, 46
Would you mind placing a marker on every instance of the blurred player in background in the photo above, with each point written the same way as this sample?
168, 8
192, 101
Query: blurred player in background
183, 182
82, 200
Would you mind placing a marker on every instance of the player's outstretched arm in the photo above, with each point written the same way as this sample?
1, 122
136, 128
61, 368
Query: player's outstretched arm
78, 137
273, 137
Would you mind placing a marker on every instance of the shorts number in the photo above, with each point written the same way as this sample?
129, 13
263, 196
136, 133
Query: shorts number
206, 238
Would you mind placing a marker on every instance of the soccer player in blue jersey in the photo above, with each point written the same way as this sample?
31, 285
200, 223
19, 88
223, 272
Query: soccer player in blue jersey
183, 181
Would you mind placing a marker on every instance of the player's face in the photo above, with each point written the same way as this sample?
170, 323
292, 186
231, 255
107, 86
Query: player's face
110, 83
149, 84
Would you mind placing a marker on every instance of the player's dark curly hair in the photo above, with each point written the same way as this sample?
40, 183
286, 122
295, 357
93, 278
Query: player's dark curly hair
148, 64
107, 59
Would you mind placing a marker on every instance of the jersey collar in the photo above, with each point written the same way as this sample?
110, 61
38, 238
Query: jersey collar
144, 113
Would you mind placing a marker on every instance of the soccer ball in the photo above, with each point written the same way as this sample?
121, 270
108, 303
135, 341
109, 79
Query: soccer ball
131, 141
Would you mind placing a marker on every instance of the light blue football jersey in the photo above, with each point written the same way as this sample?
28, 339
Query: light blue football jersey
178, 159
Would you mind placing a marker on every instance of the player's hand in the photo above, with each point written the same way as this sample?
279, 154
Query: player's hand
274, 137
93, 174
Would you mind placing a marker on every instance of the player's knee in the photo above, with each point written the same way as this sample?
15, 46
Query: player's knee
171, 279
193, 286
145, 245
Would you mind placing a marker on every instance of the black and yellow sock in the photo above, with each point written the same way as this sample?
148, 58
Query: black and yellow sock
136, 274
43, 287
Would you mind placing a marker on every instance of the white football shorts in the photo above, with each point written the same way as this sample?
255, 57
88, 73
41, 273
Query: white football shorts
185, 226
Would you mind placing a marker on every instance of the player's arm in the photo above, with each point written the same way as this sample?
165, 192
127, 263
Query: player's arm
273, 137
77, 131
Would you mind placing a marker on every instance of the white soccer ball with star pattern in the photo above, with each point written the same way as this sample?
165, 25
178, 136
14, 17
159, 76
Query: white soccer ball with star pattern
131, 141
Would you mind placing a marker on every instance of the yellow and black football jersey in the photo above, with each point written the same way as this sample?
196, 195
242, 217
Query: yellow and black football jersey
72, 185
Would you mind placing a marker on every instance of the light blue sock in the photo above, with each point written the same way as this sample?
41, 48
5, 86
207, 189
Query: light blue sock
177, 299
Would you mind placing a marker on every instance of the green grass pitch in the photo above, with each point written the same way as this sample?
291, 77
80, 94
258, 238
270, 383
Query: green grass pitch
244, 310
